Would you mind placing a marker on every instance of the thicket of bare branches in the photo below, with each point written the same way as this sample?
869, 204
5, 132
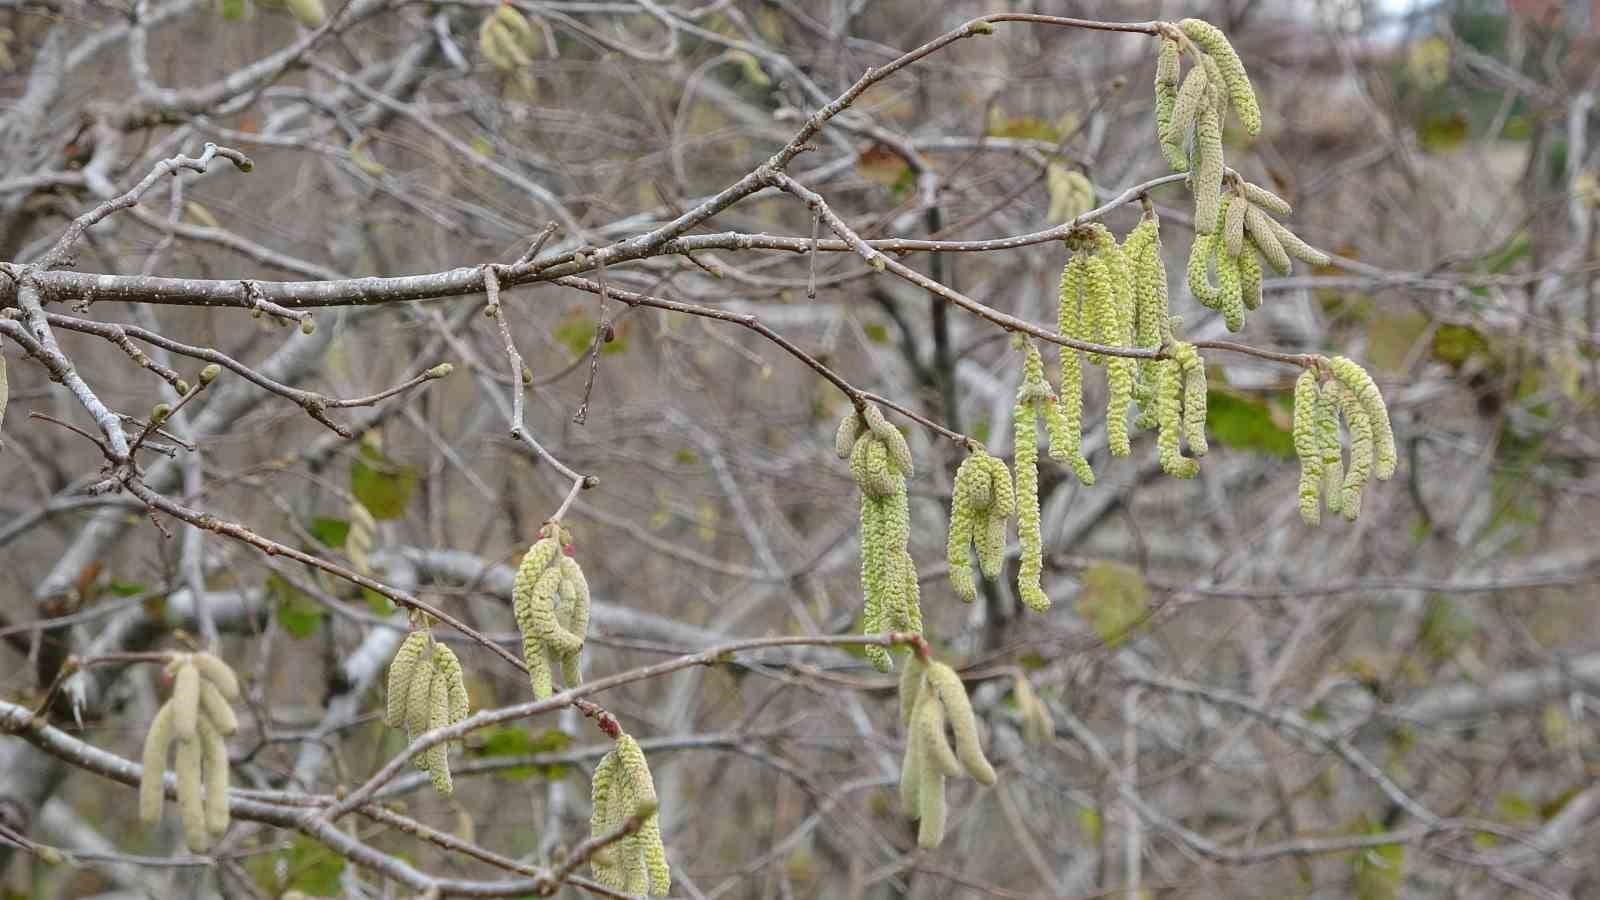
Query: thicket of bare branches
662, 256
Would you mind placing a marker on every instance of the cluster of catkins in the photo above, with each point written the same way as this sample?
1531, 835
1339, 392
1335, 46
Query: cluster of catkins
427, 690
622, 788
1335, 388
506, 39
551, 603
880, 462
1071, 194
980, 505
196, 717
931, 696
1234, 232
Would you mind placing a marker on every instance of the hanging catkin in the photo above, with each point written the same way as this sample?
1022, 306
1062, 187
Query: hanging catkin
550, 601
980, 505
427, 690
1033, 395
937, 699
880, 462
196, 718
622, 787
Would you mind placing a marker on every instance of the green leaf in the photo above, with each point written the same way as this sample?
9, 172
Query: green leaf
876, 333
1380, 871
1442, 133
686, 457
126, 588
1246, 424
307, 866
510, 740
377, 603
330, 532
298, 614
1114, 600
383, 487
575, 331
1089, 823
1455, 344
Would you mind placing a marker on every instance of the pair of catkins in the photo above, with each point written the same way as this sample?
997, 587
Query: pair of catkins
196, 718
427, 690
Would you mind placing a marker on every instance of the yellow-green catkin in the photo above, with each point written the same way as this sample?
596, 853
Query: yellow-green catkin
548, 613
1152, 319
880, 462
1359, 424
1295, 247
1031, 395
435, 760
1266, 199
1208, 172
1236, 82
188, 764
970, 502
1250, 276
1230, 292
1166, 100
1307, 446
1119, 398
1099, 304
1186, 109
1193, 369
1352, 376
1066, 447
214, 765
1169, 421
1265, 235
1200, 256
186, 700
1332, 453
990, 534
1233, 224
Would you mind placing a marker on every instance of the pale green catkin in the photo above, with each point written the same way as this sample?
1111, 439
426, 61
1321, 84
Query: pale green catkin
1352, 376
1307, 446
1264, 232
844, 438
1332, 453
187, 765
436, 759
217, 672
1152, 320
448, 668
893, 440
990, 536
872, 469
1026, 463
573, 614
214, 760
1074, 276
1262, 197
1066, 447
1071, 194
400, 672
1038, 726
971, 483
910, 687
1230, 292
1119, 398
1166, 100
1359, 425
1200, 256
1233, 224
1237, 82
1297, 248
419, 698
1186, 109
603, 817
1193, 369
1250, 276
1169, 421
215, 709
1208, 172
952, 696
874, 579
186, 700
156, 743
622, 787
1099, 305
1064, 424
